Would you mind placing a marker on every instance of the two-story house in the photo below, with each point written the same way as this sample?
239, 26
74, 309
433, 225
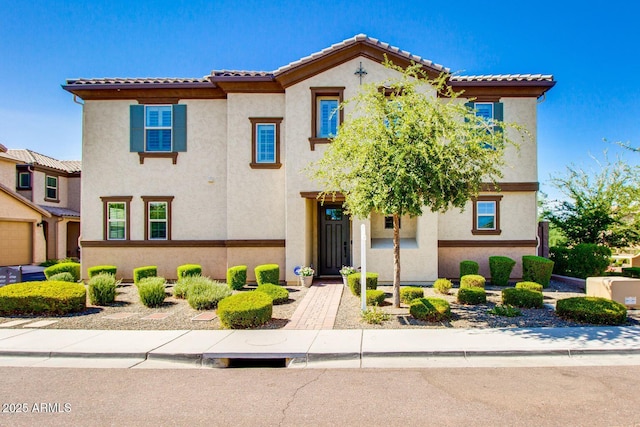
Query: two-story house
208, 170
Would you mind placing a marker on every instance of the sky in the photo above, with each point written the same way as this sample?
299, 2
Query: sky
591, 48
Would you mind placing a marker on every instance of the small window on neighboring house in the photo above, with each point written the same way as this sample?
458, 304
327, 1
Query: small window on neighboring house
24, 180
326, 116
116, 217
388, 222
51, 188
157, 218
486, 215
265, 142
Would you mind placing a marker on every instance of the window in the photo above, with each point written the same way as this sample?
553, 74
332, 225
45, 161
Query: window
157, 217
325, 114
24, 180
158, 130
51, 188
116, 217
388, 223
158, 125
265, 142
487, 112
486, 215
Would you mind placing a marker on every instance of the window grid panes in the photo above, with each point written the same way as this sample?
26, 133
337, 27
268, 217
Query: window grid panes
327, 117
158, 220
52, 187
266, 143
158, 123
24, 180
486, 216
388, 222
117, 221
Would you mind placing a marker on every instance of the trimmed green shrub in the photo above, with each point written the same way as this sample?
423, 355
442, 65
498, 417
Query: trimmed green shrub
152, 291
500, 268
237, 277
267, 273
46, 297
595, 310
473, 296
206, 294
468, 267
354, 282
62, 277
50, 262
472, 281
99, 269
560, 257
430, 309
102, 289
245, 310
442, 286
375, 316
588, 260
409, 293
529, 285
182, 286
189, 270
375, 297
64, 267
278, 294
537, 269
523, 298
505, 310
144, 272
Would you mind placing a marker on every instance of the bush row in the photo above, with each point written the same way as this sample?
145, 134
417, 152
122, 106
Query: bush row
534, 269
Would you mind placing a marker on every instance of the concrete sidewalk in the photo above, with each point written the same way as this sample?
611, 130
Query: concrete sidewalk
313, 348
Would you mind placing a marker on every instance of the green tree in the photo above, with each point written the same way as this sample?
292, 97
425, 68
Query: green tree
600, 207
403, 148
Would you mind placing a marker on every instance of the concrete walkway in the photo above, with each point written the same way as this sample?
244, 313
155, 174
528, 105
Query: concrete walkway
318, 308
321, 348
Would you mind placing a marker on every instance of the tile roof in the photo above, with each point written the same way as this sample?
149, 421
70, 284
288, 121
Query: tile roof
504, 78
55, 211
240, 73
31, 157
135, 81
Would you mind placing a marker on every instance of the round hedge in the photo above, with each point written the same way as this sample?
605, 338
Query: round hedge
442, 286
472, 281
64, 267
267, 273
523, 298
472, 295
468, 267
47, 297
533, 286
409, 293
500, 268
537, 269
62, 277
430, 309
375, 297
278, 294
245, 310
594, 310
354, 282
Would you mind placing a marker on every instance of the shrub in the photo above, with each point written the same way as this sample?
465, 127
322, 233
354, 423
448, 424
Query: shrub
375, 316
144, 272
524, 298
537, 269
588, 260
375, 297
595, 310
468, 267
152, 291
206, 294
182, 286
409, 293
245, 310
560, 257
442, 286
505, 310
354, 282
64, 267
102, 289
430, 309
472, 281
189, 270
278, 294
45, 297
529, 285
50, 262
99, 269
237, 277
472, 295
62, 277
267, 273
500, 267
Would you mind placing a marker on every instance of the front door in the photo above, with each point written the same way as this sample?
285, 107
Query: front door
334, 240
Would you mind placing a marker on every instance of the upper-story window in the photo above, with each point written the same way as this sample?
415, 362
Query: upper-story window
487, 112
265, 142
51, 188
158, 125
24, 180
158, 130
326, 116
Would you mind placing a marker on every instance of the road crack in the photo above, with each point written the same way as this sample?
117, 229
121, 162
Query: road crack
295, 394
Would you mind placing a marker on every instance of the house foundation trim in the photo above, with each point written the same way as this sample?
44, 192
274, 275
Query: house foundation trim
487, 243
266, 243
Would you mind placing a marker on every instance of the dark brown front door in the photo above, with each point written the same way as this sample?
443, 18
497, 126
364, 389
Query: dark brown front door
334, 239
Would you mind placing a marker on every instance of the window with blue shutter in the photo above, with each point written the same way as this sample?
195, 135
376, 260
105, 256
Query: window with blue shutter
327, 117
158, 128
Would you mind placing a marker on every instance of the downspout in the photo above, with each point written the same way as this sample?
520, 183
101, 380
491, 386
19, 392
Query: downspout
75, 99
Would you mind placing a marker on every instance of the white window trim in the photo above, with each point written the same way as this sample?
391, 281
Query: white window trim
275, 139
336, 114
165, 220
110, 220
482, 215
170, 128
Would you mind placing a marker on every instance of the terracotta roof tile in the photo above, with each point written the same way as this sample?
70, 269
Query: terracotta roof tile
32, 157
134, 81
240, 73
504, 78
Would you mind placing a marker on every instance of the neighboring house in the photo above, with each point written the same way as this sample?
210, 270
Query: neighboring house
54, 186
208, 170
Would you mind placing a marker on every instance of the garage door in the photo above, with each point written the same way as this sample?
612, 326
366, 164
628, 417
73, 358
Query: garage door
15, 243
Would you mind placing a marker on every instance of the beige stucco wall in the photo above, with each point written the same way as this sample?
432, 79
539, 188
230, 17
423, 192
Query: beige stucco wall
8, 173
253, 257
449, 259
73, 193
522, 162
408, 227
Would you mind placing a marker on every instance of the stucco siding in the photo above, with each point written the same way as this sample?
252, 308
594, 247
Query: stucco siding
449, 259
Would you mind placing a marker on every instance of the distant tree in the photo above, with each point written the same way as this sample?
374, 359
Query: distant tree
600, 207
403, 148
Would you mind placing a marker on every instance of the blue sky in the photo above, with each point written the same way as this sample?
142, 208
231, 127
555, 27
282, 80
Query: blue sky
591, 48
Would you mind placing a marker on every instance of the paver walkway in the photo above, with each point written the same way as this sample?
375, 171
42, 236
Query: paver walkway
319, 307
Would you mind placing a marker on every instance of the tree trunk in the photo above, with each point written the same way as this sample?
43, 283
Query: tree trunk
396, 260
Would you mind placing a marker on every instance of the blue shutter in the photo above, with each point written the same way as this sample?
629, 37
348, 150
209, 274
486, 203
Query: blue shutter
136, 128
179, 127
470, 106
498, 114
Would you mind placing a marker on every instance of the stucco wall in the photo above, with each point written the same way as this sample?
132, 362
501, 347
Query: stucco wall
8, 173
449, 259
